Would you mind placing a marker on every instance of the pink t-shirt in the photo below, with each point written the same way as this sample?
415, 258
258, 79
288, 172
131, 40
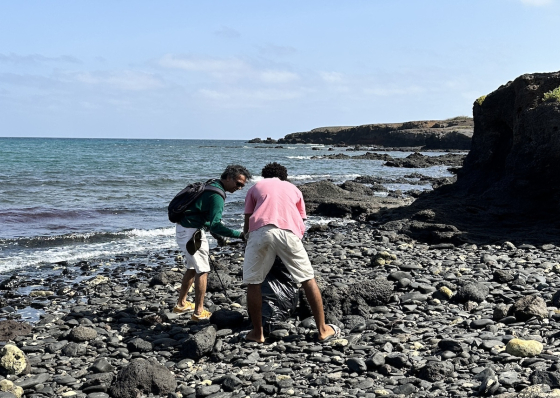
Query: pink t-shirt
273, 201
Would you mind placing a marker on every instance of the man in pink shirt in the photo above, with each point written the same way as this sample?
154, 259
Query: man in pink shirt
274, 214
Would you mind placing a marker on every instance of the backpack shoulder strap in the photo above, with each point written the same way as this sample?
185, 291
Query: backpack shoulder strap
212, 188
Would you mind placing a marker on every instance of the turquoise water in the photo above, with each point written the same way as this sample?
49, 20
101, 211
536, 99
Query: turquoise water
74, 199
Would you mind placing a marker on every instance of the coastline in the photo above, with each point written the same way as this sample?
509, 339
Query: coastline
442, 332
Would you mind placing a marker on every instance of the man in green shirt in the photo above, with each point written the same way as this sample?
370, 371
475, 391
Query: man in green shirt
205, 212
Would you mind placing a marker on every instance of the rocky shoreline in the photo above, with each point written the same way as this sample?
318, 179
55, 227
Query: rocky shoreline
418, 320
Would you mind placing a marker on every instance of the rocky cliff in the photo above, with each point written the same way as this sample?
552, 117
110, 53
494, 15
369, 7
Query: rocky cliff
509, 186
515, 155
453, 133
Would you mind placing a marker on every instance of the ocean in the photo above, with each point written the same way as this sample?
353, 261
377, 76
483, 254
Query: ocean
70, 200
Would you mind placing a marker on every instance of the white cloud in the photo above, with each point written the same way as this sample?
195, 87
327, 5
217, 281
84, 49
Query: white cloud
229, 69
124, 80
35, 59
247, 98
278, 76
537, 3
202, 64
331, 77
218, 68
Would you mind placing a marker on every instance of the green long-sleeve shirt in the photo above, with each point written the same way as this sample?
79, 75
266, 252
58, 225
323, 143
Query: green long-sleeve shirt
206, 212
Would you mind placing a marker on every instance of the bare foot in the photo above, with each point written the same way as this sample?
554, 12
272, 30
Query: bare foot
254, 336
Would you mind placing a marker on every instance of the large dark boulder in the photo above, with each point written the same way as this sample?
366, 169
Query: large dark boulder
356, 299
528, 307
10, 329
327, 199
224, 318
200, 344
143, 377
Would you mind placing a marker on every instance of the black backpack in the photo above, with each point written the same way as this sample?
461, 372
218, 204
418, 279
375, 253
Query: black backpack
183, 199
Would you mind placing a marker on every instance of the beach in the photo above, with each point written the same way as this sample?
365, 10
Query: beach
440, 330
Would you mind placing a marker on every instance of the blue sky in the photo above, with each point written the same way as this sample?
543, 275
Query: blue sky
245, 69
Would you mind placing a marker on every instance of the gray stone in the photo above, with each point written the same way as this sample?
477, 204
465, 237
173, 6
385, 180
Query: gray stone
527, 307
200, 344
436, 371
143, 376
139, 345
472, 291
83, 333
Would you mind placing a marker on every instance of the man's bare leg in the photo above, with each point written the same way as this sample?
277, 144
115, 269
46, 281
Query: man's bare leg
201, 281
254, 306
316, 303
186, 284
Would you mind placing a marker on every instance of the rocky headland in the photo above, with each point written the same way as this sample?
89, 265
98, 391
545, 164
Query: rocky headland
455, 133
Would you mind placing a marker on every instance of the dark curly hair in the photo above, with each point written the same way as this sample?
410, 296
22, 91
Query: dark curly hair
274, 169
234, 171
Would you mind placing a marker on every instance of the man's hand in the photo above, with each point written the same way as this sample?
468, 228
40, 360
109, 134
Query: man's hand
221, 240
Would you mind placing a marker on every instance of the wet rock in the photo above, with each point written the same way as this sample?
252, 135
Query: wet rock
327, 199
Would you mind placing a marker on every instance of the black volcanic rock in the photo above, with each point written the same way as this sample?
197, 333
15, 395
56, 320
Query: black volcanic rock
417, 160
515, 155
509, 185
453, 133
328, 199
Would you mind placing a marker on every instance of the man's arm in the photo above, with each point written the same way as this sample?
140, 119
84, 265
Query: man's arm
215, 205
246, 224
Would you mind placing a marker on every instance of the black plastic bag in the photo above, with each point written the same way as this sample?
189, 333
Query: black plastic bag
279, 296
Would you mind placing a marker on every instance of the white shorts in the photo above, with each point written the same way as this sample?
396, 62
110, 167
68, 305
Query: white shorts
199, 262
264, 244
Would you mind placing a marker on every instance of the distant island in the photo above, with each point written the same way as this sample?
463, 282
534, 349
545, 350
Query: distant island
455, 133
